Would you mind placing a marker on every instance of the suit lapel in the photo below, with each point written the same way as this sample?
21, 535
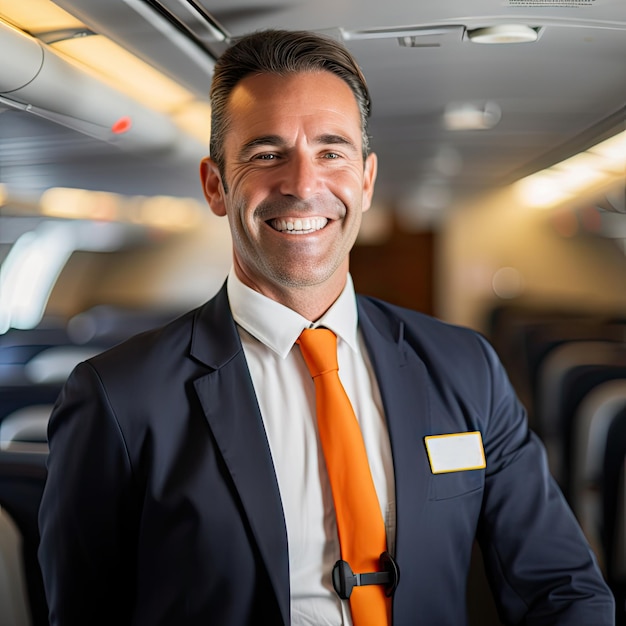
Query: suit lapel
229, 402
403, 383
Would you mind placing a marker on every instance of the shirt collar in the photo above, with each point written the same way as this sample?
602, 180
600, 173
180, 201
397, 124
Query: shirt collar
278, 326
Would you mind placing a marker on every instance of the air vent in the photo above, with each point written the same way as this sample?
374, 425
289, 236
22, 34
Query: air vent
409, 36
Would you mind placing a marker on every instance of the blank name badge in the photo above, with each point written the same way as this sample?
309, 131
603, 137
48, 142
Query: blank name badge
455, 452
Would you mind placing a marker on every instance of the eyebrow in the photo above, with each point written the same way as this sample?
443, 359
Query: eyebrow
279, 142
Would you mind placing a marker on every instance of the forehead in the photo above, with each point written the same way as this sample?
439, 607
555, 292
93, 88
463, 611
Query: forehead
264, 102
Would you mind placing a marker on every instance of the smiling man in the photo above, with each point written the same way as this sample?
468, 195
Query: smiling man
191, 479
294, 184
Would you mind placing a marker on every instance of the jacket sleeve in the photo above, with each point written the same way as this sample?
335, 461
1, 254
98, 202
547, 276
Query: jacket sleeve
538, 562
86, 520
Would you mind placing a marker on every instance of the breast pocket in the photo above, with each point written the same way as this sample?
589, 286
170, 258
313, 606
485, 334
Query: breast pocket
454, 484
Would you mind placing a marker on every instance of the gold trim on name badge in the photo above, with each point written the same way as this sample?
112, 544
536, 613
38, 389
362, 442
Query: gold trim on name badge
455, 452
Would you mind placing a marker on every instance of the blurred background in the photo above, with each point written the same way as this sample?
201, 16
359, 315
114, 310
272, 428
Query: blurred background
500, 205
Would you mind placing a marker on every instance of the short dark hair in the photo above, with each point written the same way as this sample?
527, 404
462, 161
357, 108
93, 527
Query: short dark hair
281, 52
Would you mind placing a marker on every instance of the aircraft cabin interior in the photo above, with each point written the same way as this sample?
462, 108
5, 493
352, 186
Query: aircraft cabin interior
500, 204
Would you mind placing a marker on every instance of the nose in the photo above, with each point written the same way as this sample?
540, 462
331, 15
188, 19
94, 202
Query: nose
300, 177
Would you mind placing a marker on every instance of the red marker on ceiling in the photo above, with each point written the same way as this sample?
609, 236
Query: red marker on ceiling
122, 125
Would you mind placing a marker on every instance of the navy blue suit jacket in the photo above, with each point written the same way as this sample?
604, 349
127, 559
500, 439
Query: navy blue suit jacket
162, 506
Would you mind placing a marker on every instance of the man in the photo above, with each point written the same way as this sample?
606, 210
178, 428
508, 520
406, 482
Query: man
187, 484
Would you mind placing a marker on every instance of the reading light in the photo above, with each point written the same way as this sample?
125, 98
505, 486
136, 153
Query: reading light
503, 33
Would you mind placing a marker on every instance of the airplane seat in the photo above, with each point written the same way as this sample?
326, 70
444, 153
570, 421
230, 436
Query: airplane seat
543, 338
614, 512
107, 325
17, 347
578, 383
41, 380
590, 431
523, 335
567, 373
28, 424
53, 365
22, 479
14, 398
13, 595
508, 326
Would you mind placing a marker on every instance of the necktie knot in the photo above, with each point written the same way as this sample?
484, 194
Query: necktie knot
319, 349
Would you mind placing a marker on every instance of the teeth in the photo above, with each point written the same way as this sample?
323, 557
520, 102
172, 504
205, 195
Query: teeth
300, 226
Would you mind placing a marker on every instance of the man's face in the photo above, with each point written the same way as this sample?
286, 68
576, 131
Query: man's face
297, 184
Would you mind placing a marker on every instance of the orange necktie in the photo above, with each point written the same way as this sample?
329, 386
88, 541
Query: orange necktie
359, 519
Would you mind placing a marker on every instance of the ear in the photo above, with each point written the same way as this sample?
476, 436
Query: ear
212, 186
369, 179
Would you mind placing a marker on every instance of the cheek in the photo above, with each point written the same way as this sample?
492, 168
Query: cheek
241, 216
349, 189
247, 190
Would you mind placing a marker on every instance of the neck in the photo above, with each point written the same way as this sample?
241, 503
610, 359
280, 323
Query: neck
310, 301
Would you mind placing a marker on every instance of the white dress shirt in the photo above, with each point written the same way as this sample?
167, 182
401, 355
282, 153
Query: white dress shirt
286, 396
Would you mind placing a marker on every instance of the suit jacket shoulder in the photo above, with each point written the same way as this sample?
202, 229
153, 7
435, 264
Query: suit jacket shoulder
452, 356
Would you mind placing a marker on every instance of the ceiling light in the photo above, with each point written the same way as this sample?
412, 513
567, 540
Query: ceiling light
164, 213
503, 33
125, 72
471, 115
36, 15
601, 165
613, 150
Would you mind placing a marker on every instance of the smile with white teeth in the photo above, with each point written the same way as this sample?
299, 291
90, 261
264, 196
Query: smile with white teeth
299, 226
